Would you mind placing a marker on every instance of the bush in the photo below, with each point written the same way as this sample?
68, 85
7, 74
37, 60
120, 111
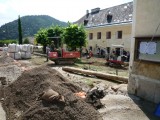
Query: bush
26, 41
2, 42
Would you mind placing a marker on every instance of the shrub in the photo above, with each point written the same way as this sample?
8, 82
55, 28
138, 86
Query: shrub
26, 41
2, 42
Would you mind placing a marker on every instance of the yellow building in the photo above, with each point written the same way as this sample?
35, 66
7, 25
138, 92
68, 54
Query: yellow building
108, 26
144, 80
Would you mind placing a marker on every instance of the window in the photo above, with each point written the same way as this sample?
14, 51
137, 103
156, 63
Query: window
90, 48
99, 35
108, 35
109, 18
85, 22
119, 34
90, 36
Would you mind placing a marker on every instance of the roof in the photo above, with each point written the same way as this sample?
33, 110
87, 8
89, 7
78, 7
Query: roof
116, 14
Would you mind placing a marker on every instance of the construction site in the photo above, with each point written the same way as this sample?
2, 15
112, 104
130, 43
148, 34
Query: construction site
33, 89
42, 82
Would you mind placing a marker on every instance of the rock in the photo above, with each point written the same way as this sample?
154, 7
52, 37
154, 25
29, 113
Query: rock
93, 97
119, 87
3, 80
51, 95
2, 99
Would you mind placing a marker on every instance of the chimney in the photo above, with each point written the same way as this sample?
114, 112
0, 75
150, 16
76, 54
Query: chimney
95, 10
87, 13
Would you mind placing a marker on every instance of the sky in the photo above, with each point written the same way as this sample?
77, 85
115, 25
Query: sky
63, 10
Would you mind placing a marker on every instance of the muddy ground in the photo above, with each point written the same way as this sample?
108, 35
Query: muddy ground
26, 79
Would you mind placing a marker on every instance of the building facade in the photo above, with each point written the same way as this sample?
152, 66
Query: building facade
144, 80
107, 27
104, 37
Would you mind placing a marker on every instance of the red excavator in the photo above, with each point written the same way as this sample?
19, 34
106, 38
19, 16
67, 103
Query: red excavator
116, 57
61, 56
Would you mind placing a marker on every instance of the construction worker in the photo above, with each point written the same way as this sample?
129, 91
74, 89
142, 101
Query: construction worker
90, 53
47, 51
52, 47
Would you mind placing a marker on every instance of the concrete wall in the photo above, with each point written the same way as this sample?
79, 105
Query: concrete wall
103, 42
144, 79
147, 17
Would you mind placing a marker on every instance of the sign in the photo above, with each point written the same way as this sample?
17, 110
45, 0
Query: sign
148, 47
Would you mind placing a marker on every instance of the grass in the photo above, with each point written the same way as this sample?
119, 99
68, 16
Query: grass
38, 60
89, 82
98, 64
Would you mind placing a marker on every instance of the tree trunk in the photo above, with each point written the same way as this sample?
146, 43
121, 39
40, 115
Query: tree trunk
97, 74
81, 52
44, 48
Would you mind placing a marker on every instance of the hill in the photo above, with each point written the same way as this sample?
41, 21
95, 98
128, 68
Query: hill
30, 26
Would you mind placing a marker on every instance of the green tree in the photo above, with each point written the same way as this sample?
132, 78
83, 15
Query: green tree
20, 30
45, 36
41, 37
54, 33
74, 36
26, 41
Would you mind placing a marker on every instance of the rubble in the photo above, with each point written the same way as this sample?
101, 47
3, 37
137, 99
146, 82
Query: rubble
5, 59
51, 96
93, 97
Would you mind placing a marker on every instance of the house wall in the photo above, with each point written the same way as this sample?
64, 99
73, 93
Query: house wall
103, 42
144, 80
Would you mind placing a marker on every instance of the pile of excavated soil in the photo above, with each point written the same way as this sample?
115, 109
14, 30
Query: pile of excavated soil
21, 98
8, 69
10, 73
4, 58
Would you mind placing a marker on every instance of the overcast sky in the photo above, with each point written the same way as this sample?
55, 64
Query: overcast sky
63, 10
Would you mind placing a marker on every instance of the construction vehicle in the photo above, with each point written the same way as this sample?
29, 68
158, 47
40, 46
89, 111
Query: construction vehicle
116, 57
61, 56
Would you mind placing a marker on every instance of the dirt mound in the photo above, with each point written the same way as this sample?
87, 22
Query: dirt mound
4, 58
21, 98
10, 72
